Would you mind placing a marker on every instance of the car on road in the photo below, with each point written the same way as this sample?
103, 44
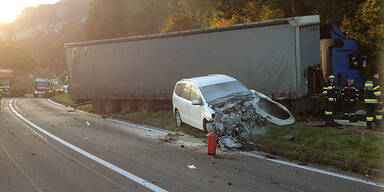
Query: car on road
192, 98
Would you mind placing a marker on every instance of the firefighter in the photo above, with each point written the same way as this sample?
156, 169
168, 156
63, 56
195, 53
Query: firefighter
330, 94
350, 96
372, 100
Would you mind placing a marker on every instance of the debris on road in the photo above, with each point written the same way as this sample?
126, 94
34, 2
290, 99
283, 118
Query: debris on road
191, 166
71, 110
87, 124
84, 138
289, 137
237, 116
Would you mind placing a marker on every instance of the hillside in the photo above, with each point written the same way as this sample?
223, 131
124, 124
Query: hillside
41, 31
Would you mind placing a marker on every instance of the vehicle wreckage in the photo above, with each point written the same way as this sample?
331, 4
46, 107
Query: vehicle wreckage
238, 114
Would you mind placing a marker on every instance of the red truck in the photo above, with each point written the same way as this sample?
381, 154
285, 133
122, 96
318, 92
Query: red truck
6, 78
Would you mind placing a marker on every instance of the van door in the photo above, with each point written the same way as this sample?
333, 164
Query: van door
184, 101
195, 111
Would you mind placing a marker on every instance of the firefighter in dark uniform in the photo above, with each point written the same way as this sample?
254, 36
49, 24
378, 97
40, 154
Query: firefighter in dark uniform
350, 96
372, 100
330, 94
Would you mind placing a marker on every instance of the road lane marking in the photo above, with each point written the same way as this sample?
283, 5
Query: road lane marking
377, 184
315, 170
91, 156
22, 124
18, 167
115, 120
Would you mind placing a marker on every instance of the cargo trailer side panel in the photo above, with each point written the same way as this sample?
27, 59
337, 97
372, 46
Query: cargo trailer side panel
263, 58
309, 52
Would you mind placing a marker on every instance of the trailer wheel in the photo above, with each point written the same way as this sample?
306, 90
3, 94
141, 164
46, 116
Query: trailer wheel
111, 107
145, 106
128, 106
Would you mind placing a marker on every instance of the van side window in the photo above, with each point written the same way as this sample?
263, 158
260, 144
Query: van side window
195, 94
186, 92
179, 88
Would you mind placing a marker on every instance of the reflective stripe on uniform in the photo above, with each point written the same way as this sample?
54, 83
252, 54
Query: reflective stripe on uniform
370, 100
369, 118
377, 93
368, 85
331, 99
330, 87
377, 87
379, 117
325, 92
328, 112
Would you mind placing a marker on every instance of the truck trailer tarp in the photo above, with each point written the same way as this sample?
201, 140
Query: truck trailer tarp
270, 57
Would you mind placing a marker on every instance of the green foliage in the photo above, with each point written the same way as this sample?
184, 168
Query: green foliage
179, 22
66, 100
143, 17
12, 56
105, 19
201, 10
367, 27
346, 149
250, 12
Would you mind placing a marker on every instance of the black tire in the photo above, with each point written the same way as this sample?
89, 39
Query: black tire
178, 120
145, 106
128, 107
111, 107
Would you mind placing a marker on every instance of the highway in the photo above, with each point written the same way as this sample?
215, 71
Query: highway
46, 147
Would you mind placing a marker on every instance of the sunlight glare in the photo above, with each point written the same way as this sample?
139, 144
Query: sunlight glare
10, 9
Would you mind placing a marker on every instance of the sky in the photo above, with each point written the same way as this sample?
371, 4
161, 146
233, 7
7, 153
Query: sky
10, 9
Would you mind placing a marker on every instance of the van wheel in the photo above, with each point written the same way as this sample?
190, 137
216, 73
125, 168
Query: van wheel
179, 122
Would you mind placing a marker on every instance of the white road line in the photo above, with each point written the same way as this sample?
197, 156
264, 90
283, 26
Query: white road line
115, 120
315, 170
90, 156
18, 167
377, 184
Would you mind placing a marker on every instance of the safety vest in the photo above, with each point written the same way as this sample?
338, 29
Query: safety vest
330, 92
350, 94
372, 91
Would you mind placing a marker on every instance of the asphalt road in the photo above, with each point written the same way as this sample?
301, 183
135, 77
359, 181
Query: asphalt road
45, 147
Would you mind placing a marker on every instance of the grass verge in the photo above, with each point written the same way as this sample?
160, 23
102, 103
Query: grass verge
66, 100
345, 149
161, 119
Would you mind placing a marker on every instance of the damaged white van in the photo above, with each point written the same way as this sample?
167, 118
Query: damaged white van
225, 103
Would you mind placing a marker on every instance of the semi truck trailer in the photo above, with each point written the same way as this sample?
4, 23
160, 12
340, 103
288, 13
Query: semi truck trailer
275, 57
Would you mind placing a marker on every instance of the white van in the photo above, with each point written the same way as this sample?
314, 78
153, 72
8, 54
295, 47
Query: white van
191, 97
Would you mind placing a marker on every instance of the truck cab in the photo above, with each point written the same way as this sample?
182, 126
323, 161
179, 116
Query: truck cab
6, 77
341, 57
42, 88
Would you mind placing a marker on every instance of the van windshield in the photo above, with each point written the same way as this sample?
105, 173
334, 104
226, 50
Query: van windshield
223, 90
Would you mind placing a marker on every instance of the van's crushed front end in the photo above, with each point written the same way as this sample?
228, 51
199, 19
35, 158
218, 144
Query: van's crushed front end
236, 116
